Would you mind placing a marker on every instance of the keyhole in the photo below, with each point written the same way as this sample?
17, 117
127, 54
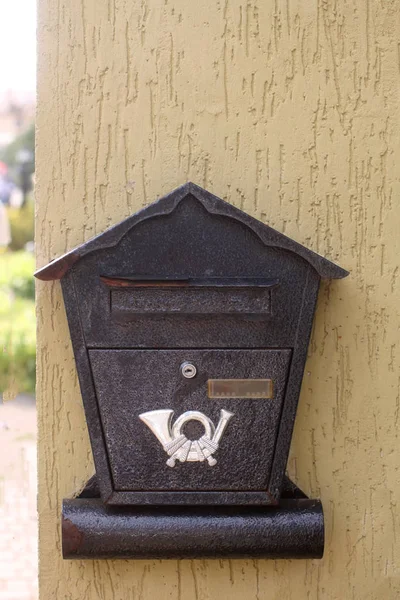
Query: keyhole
188, 370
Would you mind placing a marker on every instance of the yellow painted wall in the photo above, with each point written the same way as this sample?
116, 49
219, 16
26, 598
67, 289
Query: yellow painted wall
289, 109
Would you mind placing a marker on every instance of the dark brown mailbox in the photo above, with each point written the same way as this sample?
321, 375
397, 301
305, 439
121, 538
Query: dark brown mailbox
190, 323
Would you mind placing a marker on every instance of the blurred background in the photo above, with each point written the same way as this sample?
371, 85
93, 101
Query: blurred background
18, 535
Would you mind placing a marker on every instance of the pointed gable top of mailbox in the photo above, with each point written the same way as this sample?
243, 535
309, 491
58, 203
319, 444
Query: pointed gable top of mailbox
57, 268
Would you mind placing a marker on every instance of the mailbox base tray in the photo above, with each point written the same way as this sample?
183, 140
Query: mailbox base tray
293, 529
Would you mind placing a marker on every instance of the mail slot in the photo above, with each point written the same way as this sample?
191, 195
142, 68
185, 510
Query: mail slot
214, 296
190, 324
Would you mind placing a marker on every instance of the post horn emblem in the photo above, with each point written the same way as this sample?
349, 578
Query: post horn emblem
176, 444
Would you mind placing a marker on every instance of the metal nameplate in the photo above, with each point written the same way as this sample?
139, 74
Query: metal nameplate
240, 388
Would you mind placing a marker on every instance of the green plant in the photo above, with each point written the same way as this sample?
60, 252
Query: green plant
16, 273
17, 364
22, 224
17, 323
23, 287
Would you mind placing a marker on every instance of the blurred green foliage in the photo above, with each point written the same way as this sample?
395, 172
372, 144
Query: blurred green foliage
22, 224
17, 322
25, 141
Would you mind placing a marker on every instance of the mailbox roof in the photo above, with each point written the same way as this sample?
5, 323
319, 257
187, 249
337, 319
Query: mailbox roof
57, 268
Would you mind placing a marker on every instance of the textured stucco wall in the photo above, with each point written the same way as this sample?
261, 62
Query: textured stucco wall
290, 110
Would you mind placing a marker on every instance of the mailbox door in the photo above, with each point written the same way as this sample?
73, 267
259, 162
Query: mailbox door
132, 384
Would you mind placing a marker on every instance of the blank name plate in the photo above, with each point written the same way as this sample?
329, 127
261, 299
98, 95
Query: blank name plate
240, 388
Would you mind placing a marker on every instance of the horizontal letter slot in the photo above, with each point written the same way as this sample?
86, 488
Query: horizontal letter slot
189, 297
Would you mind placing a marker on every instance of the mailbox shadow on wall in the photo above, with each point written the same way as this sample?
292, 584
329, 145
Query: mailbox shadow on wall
190, 323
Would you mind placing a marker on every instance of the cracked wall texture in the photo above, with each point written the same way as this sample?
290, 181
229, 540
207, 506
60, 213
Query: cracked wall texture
291, 111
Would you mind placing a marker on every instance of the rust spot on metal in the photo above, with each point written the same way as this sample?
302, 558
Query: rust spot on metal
72, 538
58, 268
215, 282
129, 283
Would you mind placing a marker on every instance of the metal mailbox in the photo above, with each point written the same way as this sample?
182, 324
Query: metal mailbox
190, 324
